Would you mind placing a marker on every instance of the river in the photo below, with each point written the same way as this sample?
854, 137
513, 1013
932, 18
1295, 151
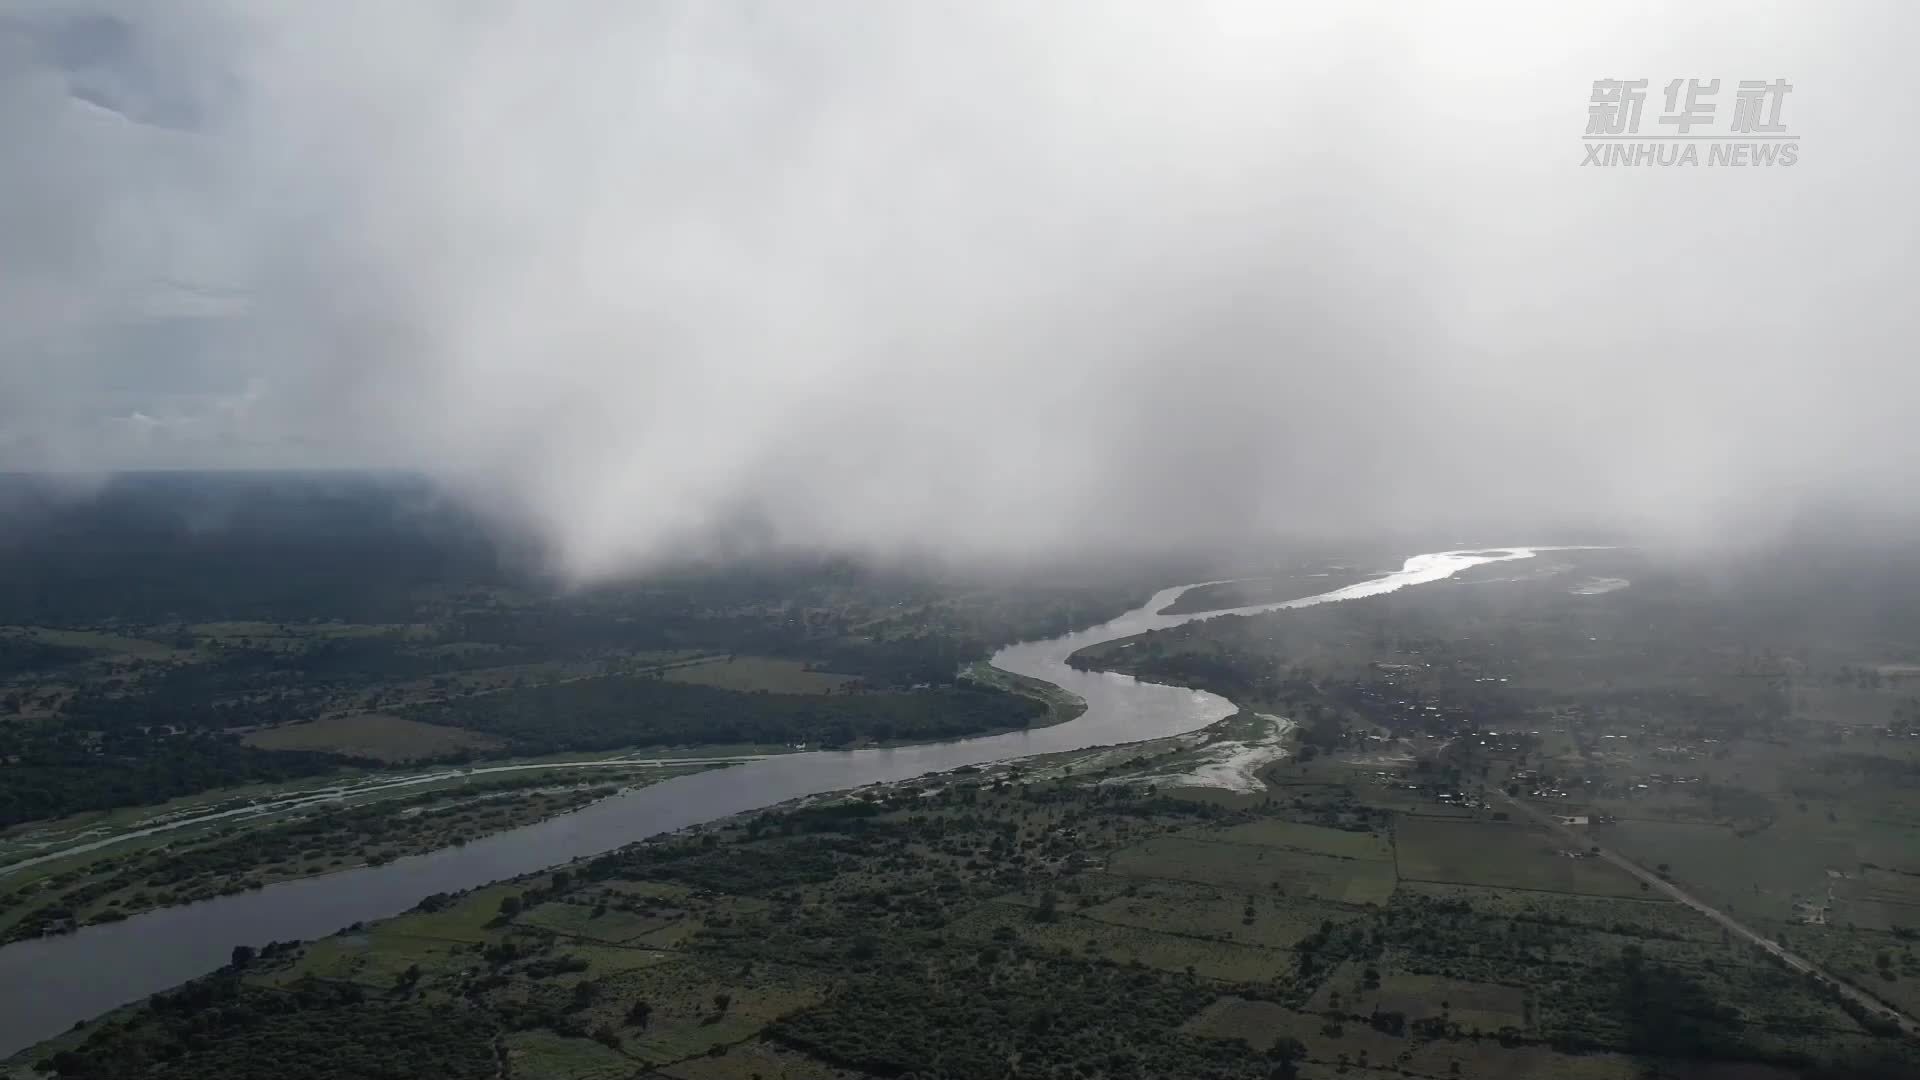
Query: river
49, 983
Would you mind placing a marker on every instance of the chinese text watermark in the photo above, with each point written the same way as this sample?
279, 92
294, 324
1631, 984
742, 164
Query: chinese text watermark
1686, 131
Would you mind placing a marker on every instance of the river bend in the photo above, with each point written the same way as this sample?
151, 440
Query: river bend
47, 984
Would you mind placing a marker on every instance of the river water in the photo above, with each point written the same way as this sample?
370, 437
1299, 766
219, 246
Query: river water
49, 983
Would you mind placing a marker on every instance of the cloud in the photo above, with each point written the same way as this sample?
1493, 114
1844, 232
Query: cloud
978, 278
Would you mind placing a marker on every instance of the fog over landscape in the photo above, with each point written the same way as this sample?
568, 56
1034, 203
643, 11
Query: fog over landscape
978, 278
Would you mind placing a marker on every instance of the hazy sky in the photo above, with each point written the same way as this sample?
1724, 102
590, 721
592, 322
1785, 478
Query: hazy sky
975, 276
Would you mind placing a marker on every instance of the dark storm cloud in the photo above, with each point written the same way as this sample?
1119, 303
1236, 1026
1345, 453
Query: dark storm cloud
970, 277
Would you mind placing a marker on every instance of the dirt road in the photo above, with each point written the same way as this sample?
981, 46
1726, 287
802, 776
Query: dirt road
1584, 841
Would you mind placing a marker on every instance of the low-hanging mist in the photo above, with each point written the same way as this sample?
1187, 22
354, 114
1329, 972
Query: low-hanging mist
964, 278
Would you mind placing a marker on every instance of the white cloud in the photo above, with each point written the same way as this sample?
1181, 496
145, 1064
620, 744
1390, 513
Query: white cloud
981, 277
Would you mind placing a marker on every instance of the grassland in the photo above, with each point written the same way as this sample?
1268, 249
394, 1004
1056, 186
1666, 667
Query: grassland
759, 673
1060, 704
1501, 855
1278, 871
390, 739
1482, 1005
120, 647
1267, 921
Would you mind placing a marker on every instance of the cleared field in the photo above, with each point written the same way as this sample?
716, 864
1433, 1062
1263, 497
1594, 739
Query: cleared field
774, 675
1275, 922
1849, 707
1293, 836
747, 1060
1879, 899
542, 1055
1648, 914
465, 920
1488, 1060
1764, 874
262, 633
580, 920
136, 648
685, 1022
373, 735
1486, 1006
1253, 869
373, 960
1262, 1023
1084, 937
1501, 855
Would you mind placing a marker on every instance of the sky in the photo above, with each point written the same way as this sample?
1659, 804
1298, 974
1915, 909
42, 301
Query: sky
972, 277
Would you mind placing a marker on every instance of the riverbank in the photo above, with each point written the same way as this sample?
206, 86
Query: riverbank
66, 893
26, 847
100, 967
104, 868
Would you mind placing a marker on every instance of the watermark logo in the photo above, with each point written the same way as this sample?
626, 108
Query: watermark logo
1685, 132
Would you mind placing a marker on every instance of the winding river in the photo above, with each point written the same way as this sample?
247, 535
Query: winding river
49, 983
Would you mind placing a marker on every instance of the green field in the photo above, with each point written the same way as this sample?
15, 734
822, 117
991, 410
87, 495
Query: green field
1169, 948
594, 923
385, 738
1311, 839
1262, 919
771, 674
113, 646
542, 1055
1486, 1006
1246, 867
1500, 855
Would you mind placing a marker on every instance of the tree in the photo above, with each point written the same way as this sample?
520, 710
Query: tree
638, 1013
1048, 910
242, 955
721, 1001
1287, 1054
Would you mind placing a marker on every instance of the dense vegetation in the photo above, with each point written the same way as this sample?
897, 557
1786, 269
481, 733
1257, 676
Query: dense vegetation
49, 775
221, 1028
148, 627
598, 714
994, 925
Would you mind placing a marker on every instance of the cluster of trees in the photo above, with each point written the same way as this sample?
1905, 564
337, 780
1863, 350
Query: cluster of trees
219, 1028
1058, 1016
616, 711
52, 773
